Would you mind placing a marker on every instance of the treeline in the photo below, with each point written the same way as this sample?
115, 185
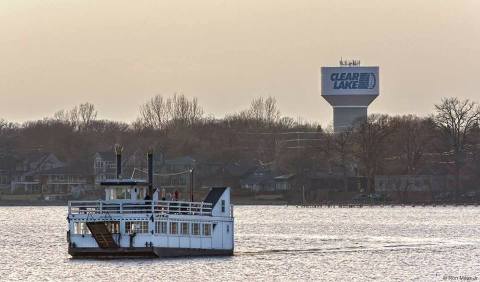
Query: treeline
446, 141
175, 125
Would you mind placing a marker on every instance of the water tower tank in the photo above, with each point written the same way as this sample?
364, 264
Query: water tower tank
349, 89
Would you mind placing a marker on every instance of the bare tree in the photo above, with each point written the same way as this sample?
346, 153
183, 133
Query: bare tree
196, 112
261, 113
176, 111
180, 110
257, 110
61, 116
286, 122
272, 113
69, 117
183, 111
6, 125
79, 117
412, 137
154, 113
87, 114
73, 117
457, 120
371, 136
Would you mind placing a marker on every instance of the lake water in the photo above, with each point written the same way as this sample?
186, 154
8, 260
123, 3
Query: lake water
271, 243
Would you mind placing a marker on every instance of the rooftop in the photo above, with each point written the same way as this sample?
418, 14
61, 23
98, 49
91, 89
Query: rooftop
124, 182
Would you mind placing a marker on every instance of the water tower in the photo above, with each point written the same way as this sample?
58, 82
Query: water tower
349, 88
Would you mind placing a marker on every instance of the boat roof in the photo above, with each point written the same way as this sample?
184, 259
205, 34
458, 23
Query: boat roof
124, 182
214, 195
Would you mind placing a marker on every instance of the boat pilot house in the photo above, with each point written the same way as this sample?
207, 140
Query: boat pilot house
132, 222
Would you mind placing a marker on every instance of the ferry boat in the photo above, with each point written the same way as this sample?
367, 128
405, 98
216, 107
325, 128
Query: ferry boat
133, 222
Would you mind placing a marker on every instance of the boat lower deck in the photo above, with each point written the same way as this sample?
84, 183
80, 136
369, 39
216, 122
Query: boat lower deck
144, 252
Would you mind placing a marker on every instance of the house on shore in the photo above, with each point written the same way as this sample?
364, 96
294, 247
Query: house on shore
45, 175
261, 180
264, 179
285, 182
104, 166
26, 179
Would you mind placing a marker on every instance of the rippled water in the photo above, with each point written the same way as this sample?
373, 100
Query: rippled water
271, 243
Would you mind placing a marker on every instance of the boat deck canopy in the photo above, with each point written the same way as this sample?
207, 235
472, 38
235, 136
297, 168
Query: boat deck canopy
124, 182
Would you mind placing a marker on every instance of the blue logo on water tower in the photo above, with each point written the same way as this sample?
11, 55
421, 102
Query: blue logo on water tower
353, 80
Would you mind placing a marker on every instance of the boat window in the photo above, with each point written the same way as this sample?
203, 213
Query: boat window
195, 228
123, 193
161, 227
119, 193
223, 205
207, 229
141, 193
136, 227
110, 194
80, 228
128, 193
173, 227
113, 227
184, 228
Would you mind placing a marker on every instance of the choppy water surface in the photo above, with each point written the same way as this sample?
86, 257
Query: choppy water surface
272, 243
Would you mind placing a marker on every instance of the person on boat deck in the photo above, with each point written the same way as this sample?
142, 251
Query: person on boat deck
163, 194
169, 197
155, 194
147, 197
175, 195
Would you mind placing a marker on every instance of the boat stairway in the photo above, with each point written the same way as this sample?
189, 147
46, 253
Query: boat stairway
102, 235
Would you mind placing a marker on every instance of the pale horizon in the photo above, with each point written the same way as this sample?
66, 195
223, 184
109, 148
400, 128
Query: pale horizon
118, 54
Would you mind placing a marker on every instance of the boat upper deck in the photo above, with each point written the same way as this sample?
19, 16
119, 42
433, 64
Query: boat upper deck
139, 207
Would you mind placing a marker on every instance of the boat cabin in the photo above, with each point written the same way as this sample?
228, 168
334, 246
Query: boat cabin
126, 189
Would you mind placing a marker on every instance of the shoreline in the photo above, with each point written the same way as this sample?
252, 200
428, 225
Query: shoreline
18, 203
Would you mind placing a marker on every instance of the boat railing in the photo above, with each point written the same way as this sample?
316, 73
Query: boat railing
140, 207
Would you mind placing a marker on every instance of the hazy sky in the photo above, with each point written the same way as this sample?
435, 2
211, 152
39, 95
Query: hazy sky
117, 53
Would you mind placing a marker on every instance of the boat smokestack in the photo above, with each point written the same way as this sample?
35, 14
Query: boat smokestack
150, 172
118, 154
